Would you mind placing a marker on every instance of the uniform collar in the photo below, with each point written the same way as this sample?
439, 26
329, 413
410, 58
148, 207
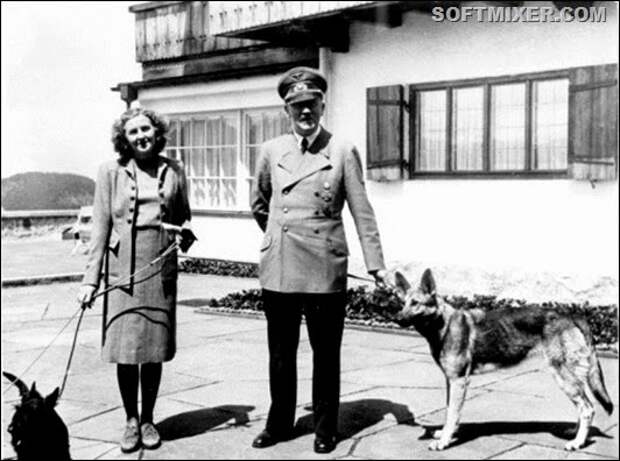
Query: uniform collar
310, 138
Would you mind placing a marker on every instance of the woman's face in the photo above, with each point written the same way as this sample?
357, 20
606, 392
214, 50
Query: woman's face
140, 134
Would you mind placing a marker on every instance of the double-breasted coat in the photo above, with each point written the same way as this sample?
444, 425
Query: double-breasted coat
114, 218
298, 202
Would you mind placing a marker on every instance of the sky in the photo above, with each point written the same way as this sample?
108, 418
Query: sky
59, 61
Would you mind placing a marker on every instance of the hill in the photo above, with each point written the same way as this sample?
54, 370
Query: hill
46, 191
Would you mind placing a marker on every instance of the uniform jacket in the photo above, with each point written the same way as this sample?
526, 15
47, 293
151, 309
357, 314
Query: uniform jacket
114, 216
298, 203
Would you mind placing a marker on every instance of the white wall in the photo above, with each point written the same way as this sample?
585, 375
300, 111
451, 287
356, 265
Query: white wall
557, 225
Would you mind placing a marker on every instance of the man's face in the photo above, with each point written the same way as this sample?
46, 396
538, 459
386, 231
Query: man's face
306, 115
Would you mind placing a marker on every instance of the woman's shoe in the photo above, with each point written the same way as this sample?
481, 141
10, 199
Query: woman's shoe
131, 437
150, 436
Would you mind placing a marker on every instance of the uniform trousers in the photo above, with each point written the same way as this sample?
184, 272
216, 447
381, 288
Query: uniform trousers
324, 314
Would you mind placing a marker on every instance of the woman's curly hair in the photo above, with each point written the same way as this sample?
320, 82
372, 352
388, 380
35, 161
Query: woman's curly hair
119, 140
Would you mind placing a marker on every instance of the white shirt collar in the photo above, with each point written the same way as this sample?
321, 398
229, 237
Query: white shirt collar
310, 138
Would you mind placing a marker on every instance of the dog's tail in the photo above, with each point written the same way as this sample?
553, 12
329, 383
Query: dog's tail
23, 389
595, 373
597, 384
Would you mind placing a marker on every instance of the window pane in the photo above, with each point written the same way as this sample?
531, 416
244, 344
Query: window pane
185, 141
197, 193
213, 163
508, 127
432, 154
229, 130
550, 124
172, 134
228, 161
468, 109
229, 193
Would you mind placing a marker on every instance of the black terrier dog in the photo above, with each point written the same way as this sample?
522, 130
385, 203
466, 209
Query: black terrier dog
37, 432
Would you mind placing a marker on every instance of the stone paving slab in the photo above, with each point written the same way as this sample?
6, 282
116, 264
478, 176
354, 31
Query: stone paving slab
214, 395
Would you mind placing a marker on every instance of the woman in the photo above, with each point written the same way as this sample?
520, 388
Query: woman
137, 197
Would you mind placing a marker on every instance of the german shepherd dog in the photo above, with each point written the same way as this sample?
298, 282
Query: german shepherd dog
37, 432
463, 342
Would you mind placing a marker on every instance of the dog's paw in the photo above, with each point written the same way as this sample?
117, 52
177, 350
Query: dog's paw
437, 445
573, 445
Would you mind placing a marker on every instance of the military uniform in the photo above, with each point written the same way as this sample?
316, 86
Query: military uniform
298, 203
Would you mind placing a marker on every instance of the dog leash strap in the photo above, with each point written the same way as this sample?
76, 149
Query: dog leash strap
77, 328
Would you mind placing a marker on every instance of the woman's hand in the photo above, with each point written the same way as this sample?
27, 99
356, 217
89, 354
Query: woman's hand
85, 295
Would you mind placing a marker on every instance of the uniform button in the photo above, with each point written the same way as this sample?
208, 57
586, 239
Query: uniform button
317, 212
285, 229
133, 187
316, 231
132, 198
316, 194
131, 209
326, 185
128, 220
285, 210
161, 193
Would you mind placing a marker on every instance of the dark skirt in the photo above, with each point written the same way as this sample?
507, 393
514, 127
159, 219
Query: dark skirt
140, 323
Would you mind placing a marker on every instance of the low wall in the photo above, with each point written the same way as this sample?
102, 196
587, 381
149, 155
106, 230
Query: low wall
36, 222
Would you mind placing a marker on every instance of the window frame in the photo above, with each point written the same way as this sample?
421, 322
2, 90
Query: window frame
486, 84
239, 115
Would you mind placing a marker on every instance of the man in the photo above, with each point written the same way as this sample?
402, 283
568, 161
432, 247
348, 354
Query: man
303, 180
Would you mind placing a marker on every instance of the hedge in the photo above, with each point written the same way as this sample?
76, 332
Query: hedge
378, 306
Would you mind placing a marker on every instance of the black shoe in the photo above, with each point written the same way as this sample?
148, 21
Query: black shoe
267, 439
324, 444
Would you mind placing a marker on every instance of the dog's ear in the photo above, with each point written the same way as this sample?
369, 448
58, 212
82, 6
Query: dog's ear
402, 284
23, 389
51, 399
427, 284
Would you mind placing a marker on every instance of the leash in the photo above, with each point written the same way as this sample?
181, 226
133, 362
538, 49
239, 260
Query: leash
366, 279
81, 310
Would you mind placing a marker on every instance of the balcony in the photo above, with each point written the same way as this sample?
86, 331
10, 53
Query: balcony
176, 29
319, 24
175, 44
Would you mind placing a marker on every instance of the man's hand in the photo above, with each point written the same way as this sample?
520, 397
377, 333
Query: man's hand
379, 276
85, 296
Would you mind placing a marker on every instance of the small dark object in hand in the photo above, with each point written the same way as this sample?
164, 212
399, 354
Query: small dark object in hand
187, 239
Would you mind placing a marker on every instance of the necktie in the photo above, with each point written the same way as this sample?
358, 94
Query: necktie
304, 145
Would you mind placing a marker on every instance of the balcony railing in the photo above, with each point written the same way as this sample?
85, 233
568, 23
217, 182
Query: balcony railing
171, 29
234, 16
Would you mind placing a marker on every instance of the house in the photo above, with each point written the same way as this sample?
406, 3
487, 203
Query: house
488, 130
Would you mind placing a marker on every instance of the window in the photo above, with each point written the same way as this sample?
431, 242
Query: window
219, 152
491, 126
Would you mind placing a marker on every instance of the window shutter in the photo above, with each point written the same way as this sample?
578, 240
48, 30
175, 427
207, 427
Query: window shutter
593, 122
384, 132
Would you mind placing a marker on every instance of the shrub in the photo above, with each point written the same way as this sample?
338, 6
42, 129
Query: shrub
218, 267
378, 306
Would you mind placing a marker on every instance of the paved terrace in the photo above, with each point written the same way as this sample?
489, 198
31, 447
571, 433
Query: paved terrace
214, 394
